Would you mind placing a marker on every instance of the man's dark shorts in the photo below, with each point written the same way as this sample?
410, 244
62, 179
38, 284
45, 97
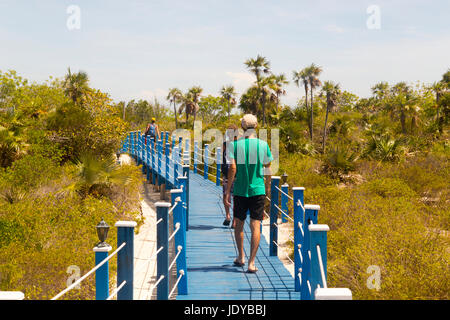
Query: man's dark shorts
253, 204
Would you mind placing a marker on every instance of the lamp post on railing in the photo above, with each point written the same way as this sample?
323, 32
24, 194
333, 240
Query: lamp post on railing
101, 252
125, 258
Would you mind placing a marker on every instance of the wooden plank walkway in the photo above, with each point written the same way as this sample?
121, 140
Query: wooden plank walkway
211, 250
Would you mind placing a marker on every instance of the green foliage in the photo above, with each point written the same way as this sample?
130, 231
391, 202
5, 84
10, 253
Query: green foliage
385, 148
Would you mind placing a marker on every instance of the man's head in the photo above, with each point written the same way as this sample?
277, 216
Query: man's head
153, 120
249, 121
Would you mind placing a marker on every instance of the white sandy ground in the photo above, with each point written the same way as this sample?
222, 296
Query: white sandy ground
145, 243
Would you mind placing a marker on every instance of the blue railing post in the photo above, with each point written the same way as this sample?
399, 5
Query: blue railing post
318, 243
173, 143
195, 156
284, 202
167, 155
311, 213
148, 158
139, 148
175, 167
167, 136
180, 146
298, 232
180, 239
184, 198
125, 258
102, 273
160, 153
205, 161
162, 241
218, 164
153, 151
132, 144
273, 248
186, 174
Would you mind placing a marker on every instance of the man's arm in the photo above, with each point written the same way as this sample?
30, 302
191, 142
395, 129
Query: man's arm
231, 175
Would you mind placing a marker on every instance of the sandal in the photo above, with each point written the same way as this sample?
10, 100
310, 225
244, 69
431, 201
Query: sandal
252, 271
226, 222
238, 264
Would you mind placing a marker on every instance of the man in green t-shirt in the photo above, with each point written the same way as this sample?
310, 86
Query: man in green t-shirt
250, 160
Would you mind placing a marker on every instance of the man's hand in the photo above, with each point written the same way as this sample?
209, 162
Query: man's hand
227, 199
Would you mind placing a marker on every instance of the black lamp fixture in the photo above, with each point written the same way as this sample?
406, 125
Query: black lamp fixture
284, 177
102, 232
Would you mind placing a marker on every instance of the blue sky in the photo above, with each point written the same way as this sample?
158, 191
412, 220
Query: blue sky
140, 49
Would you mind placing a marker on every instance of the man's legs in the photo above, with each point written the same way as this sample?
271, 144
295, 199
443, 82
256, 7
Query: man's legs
239, 237
255, 226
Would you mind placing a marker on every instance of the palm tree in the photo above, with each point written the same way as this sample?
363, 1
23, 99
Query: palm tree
175, 95
314, 82
332, 91
402, 102
380, 90
438, 88
228, 94
302, 77
191, 101
75, 85
279, 81
259, 67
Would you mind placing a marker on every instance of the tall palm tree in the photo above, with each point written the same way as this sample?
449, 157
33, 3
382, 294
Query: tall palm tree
279, 81
175, 95
75, 85
259, 66
438, 88
301, 77
313, 77
380, 90
332, 91
194, 96
228, 94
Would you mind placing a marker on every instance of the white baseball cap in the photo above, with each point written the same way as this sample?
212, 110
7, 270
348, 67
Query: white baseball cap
249, 121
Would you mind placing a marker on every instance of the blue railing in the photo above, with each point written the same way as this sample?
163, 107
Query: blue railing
166, 165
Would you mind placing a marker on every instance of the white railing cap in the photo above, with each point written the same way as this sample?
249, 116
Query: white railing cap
102, 249
176, 190
275, 177
333, 294
12, 295
163, 204
318, 227
285, 185
130, 224
298, 188
315, 207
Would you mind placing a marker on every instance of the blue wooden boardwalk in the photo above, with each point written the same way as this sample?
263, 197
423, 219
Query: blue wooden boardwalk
211, 250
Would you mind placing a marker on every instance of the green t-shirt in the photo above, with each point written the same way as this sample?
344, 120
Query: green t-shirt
250, 155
